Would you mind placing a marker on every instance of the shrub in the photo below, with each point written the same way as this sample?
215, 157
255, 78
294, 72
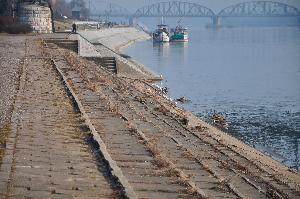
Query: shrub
7, 25
4, 21
18, 28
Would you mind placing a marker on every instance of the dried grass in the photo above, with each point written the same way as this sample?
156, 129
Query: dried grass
113, 108
4, 132
162, 162
223, 184
187, 154
139, 99
185, 121
162, 109
199, 128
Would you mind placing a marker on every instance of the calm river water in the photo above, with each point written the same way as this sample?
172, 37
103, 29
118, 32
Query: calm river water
249, 74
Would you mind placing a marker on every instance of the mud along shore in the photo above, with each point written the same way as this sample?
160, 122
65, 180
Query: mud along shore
79, 130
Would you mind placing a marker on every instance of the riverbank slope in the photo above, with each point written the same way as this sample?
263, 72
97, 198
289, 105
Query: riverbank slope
110, 41
144, 145
115, 38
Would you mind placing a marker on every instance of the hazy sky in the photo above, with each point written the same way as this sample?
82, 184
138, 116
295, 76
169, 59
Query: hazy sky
216, 5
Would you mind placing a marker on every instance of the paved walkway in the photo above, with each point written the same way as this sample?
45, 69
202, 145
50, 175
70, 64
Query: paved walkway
47, 155
147, 147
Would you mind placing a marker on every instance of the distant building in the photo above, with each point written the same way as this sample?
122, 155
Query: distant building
76, 12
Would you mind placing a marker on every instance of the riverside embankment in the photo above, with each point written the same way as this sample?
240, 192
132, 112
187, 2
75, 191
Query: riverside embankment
144, 145
109, 42
241, 73
115, 38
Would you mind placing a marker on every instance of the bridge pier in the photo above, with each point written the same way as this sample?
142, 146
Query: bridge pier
132, 21
215, 21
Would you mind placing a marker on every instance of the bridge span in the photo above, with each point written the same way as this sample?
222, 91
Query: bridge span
189, 9
258, 9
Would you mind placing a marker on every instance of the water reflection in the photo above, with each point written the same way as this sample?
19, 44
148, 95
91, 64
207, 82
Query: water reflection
163, 49
251, 75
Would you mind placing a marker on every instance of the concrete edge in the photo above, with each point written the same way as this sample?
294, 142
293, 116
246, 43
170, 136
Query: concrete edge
182, 175
131, 64
6, 164
115, 169
289, 177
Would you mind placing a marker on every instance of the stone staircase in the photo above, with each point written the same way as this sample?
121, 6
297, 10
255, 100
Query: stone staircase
109, 63
65, 43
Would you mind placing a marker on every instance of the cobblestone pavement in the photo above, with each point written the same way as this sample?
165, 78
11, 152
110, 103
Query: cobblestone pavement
48, 153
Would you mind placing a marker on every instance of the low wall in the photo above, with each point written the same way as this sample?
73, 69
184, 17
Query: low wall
85, 48
126, 67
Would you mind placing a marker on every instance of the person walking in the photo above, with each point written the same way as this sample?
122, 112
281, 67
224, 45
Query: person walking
74, 28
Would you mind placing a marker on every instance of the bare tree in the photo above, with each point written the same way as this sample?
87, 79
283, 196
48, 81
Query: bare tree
61, 8
5, 7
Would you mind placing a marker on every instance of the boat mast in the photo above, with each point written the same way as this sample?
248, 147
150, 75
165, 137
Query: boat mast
162, 20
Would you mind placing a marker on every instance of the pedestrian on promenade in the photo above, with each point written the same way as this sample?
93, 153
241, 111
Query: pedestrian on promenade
74, 28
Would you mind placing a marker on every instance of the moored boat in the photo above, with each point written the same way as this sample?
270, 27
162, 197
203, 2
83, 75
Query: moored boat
179, 34
161, 34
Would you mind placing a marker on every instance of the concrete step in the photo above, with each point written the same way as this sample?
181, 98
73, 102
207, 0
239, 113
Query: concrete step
65, 43
110, 62
110, 65
107, 62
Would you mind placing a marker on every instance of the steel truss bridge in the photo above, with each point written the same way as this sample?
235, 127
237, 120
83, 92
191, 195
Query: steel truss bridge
174, 9
102, 8
188, 9
260, 9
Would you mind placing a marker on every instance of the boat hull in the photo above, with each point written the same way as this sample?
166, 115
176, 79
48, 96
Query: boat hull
161, 37
179, 38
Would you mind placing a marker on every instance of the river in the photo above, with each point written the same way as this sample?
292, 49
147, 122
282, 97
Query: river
251, 75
